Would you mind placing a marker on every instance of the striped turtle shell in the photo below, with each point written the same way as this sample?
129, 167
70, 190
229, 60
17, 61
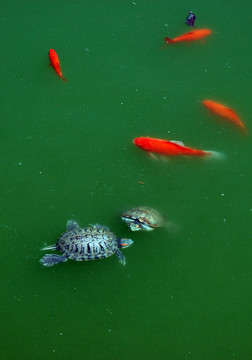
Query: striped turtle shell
88, 243
142, 218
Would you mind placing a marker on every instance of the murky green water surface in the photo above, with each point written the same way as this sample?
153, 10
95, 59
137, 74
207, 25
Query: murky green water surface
67, 153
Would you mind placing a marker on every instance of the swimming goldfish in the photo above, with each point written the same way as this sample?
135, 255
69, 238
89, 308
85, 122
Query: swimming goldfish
171, 148
190, 36
224, 112
54, 60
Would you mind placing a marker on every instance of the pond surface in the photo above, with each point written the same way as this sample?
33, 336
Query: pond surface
68, 153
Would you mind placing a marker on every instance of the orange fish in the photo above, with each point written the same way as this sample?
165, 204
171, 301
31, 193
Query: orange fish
54, 60
190, 36
224, 112
171, 148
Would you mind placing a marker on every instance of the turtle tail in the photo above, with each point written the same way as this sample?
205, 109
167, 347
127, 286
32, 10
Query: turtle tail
50, 247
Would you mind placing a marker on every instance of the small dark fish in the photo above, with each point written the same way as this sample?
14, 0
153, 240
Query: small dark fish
190, 18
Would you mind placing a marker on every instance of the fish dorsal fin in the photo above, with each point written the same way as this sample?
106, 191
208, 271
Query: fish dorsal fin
177, 142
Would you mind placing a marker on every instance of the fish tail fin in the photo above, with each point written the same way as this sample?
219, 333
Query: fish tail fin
215, 155
244, 130
62, 77
167, 42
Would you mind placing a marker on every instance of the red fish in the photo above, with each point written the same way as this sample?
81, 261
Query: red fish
171, 148
190, 36
224, 112
54, 60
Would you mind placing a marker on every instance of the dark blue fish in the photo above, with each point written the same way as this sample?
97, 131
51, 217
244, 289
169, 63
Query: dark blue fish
190, 18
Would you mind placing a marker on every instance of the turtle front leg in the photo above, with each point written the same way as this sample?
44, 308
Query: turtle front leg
99, 226
120, 256
72, 225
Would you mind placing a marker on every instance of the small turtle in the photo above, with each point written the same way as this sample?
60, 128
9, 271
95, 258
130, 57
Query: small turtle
88, 243
142, 218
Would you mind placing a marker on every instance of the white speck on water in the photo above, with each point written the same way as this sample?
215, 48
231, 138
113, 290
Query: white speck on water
166, 25
164, 97
109, 330
222, 195
87, 50
20, 163
228, 65
224, 220
61, 333
121, 103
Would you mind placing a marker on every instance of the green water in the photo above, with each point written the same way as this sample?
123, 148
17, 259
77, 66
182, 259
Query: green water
67, 153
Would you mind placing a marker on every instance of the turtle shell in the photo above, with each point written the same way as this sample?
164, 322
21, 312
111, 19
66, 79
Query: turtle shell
87, 243
142, 218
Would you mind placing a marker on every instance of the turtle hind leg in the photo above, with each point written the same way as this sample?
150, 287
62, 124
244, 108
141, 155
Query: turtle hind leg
52, 259
121, 257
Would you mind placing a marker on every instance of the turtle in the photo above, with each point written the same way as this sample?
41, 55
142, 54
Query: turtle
89, 243
142, 218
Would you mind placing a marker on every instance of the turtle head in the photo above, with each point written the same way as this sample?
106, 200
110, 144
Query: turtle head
124, 242
133, 224
136, 224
